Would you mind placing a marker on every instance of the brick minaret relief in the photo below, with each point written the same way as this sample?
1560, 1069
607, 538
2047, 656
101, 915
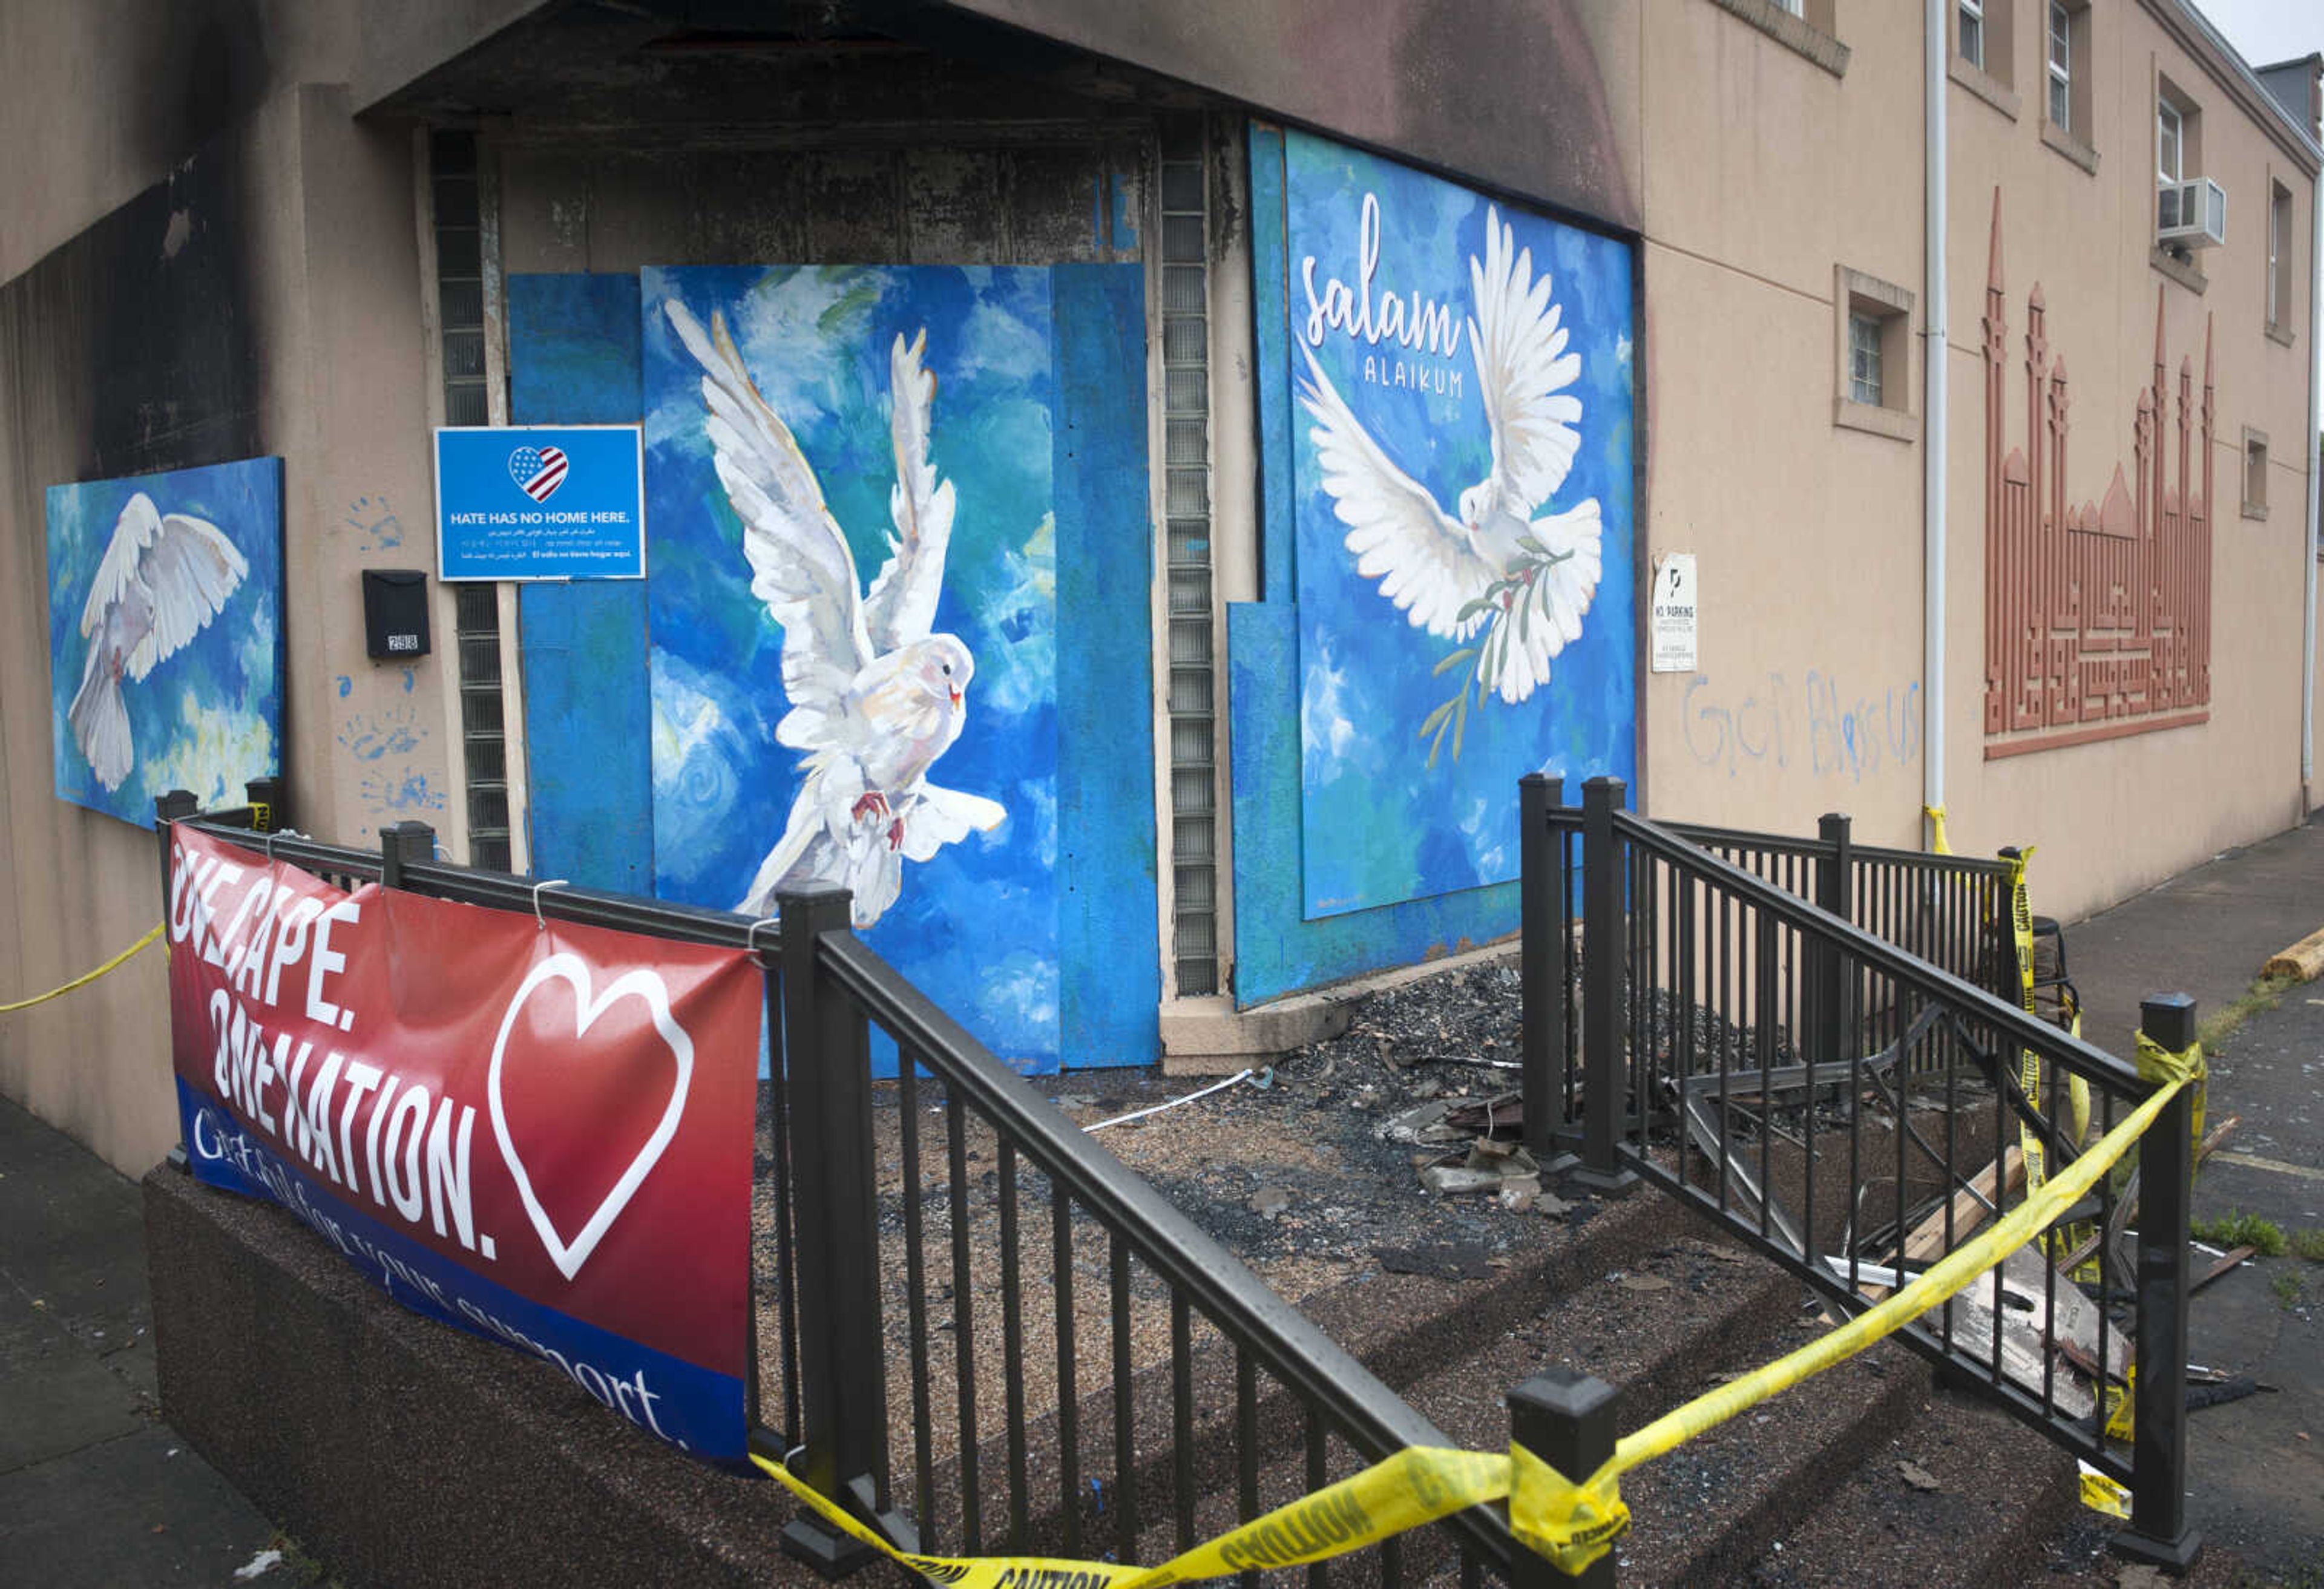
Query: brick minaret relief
2097, 616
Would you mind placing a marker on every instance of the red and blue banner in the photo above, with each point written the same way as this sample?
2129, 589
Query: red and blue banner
537, 1132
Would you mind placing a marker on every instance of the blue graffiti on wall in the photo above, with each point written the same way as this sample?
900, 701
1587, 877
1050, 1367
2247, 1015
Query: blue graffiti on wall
1832, 733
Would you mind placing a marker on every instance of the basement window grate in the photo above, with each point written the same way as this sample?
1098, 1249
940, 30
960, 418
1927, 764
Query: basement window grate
457, 210
1187, 512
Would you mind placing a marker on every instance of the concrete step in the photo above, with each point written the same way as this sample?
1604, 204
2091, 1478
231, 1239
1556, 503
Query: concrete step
2004, 1498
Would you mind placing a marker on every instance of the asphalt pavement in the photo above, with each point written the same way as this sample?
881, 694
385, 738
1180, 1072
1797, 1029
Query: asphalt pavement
95, 1489
2257, 1466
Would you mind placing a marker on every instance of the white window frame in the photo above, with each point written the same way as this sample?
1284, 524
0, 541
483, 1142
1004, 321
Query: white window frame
2061, 67
2171, 128
1968, 28
2279, 219
2254, 473
1863, 331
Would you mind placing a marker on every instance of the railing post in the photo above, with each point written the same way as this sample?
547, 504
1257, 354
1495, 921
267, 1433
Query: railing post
1567, 1419
1544, 916
1604, 942
1827, 987
842, 1384
2159, 1531
173, 807
400, 845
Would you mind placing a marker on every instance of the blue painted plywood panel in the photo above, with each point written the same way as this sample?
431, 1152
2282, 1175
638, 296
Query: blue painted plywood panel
572, 360
1108, 941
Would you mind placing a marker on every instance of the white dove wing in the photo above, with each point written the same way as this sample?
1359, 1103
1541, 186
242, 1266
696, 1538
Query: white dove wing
1547, 614
1523, 369
902, 605
1421, 556
940, 816
188, 571
800, 564
138, 527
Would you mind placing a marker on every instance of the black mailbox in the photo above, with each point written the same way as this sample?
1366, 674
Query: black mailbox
395, 612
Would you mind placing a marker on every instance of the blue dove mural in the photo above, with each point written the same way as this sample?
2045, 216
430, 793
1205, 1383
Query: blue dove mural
853, 609
165, 599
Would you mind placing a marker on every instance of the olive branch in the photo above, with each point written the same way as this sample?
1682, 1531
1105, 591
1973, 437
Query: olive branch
1512, 594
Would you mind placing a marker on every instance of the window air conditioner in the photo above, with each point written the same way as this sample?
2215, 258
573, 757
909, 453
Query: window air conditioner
2192, 214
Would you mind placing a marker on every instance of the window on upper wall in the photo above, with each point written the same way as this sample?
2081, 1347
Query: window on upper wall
2067, 63
2279, 247
1969, 40
2170, 143
1864, 381
2061, 66
1873, 321
1983, 58
2254, 473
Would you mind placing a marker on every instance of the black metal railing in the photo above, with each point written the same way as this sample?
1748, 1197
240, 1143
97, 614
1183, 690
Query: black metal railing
1952, 911
1854, 1109
948, 1246
1151, 1390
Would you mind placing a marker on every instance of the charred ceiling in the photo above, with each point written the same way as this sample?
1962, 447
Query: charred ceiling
691, 70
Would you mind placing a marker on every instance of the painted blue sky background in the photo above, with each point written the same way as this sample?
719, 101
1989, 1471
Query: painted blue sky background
1378, 824
209, 716
976, 926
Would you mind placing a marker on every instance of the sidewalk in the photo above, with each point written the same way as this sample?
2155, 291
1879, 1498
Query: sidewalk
2255, 1483
94, 1489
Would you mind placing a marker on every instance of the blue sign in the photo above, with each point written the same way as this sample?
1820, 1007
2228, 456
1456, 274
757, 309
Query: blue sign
539, 501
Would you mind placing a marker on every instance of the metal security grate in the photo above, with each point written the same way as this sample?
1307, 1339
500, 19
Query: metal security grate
458, 213
1187, 510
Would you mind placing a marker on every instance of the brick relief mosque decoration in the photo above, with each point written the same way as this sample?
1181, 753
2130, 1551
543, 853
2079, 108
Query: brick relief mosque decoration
2097, 616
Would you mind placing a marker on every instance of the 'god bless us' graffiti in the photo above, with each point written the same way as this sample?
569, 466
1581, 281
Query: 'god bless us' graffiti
2097, 616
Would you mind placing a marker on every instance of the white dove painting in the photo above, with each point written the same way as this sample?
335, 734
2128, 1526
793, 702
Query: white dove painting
165, 642
852, 608
1459, 378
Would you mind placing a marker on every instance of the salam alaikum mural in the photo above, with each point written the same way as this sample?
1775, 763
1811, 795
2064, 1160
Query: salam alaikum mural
796, 438
165, 646
1449, 352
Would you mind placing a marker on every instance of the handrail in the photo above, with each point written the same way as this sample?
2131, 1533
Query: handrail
2023, 1030
588, 907
1309, 1363
1737, 837
1989, 866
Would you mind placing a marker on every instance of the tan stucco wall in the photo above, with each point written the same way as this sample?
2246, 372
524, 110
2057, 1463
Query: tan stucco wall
1763, 173
330, 285
106, 95
2116, 816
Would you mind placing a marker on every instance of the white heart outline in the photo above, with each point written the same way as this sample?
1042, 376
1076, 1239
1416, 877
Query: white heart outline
642, 984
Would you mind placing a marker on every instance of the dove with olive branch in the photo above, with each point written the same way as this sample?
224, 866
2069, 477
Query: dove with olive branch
1509, 587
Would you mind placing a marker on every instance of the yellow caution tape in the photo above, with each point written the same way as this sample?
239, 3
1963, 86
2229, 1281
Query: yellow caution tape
2101, 1493
2029, 1063
85, 978
1936, 816
2121, 1401
1573, 1524
2157, 1063
1418, 1486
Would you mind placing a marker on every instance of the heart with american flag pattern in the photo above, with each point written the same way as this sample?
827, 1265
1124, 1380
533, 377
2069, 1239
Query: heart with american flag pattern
538, 471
